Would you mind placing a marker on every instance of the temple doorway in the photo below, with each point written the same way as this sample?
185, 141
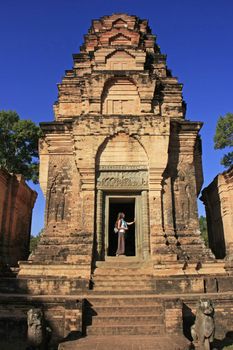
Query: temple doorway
127, 206
134, 204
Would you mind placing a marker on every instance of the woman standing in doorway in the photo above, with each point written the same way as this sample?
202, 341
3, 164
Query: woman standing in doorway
122, 227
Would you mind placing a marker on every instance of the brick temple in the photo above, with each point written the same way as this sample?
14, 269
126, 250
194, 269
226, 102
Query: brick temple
16, 204
120, 142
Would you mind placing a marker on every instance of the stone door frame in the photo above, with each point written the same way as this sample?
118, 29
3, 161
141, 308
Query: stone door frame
122, 180
142, 244
137, 204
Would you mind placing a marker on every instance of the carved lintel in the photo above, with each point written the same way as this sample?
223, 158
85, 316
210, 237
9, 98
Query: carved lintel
122, 167
122, 180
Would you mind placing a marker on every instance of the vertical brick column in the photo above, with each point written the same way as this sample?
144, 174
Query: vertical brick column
145, 225
99, 224
88, 198
168, 211
155, 210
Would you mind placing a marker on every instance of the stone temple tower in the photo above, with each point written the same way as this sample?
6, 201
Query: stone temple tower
119, 142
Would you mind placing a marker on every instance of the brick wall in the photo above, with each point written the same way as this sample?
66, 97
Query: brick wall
218, 199
16, 204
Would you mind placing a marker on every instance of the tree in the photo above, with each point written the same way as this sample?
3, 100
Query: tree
224, 137
19, 145
34, 240
203, 229
33, 243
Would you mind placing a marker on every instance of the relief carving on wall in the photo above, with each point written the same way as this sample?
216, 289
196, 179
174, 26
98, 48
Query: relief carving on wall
184, 195
58, 193
57, 199
122, 180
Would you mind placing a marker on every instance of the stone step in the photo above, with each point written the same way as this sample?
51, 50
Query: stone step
114, 291
73, 248
122, 301
60, 259
124, 282
117, 263
120, 277
120, 292
121, 265
134, 329
133, 342
121, 257
121, 271
126, 310
122, 286
60, 255
127, 320
126, 260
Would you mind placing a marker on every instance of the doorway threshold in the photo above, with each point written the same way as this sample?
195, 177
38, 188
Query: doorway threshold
122, 258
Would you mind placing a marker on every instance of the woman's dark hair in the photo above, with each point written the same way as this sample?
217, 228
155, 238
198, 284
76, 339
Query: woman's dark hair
119, 216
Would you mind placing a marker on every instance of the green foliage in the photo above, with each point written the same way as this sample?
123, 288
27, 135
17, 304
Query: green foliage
19, 145
224, 137
203, 228
34, 241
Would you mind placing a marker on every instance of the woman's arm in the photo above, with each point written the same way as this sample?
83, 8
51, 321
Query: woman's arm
131, 223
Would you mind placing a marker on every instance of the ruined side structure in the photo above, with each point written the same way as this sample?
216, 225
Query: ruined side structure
218, 200
16, 203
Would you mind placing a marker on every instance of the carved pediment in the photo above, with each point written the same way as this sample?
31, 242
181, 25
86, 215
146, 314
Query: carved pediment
119, 23
121, 54
120, 96
120, 60
120, 39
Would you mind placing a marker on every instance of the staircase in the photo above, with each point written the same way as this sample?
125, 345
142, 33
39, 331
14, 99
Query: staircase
124, 315
122, 300
122, 275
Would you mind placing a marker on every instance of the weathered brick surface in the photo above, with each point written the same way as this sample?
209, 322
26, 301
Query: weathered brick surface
218, 199
16, 204
127, 343
62, 317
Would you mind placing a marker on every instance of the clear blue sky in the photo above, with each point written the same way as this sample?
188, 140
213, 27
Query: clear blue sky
37, 39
